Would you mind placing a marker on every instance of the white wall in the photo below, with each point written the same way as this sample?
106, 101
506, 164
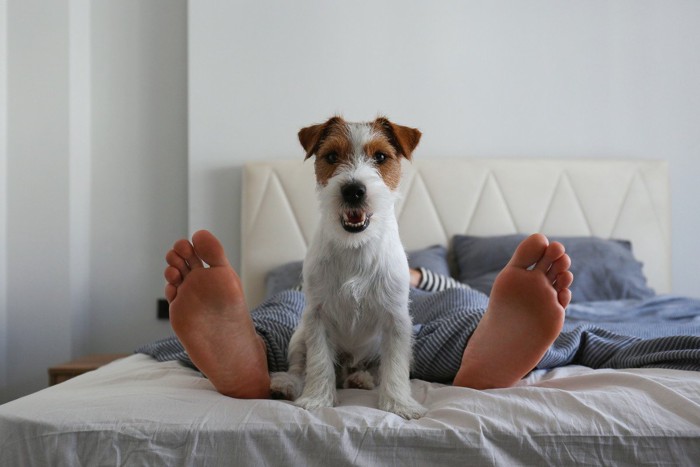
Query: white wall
38, 299
93, 185
79, 170
3, 195
504, 78
139, 164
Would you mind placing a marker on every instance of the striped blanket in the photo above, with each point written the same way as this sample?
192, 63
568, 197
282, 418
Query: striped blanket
662, 331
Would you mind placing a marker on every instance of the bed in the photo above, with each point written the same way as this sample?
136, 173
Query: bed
138, 411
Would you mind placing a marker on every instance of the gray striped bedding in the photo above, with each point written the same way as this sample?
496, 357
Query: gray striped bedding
662, 332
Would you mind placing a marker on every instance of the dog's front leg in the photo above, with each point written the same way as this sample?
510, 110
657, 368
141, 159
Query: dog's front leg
319, 387
289, 384
394, 370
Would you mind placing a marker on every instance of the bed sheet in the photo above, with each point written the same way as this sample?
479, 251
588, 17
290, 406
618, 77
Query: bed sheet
137, 411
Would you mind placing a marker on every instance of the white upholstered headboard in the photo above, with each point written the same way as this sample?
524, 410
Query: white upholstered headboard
624, 199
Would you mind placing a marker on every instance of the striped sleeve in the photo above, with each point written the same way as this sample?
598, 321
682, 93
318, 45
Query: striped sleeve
432, 282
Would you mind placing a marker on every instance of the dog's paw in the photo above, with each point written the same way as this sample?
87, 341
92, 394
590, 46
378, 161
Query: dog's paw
285, 385
359, 380
407, 409
311, 403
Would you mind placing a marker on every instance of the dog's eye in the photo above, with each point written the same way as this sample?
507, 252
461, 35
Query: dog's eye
379, 157
331, 157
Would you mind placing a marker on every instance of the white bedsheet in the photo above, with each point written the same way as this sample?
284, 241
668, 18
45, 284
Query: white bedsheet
137, 411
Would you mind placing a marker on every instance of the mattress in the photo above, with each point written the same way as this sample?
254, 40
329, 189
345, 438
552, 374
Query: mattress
137, 411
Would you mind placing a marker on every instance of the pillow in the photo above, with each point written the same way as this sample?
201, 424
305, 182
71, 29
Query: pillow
433, 258
288, 276
602, 269
285, 277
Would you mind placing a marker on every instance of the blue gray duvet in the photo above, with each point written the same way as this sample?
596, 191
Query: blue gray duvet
661, 332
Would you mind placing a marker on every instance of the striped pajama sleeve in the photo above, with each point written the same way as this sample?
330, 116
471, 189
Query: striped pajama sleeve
433, 282
430, 282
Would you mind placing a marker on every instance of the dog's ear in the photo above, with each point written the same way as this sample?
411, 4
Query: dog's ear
403, 138
309, 138
312, 136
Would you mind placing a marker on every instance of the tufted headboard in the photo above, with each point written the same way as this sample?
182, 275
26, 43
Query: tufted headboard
624, 199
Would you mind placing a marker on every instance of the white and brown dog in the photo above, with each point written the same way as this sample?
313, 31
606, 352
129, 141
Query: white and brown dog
356, 275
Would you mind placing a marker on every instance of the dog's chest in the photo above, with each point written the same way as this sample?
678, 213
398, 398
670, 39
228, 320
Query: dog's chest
354, 303
356, 297
354, 321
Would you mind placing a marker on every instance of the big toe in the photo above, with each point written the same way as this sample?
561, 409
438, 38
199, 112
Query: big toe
209, 249
530, 251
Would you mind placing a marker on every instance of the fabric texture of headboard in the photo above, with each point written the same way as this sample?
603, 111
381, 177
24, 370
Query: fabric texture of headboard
623, 199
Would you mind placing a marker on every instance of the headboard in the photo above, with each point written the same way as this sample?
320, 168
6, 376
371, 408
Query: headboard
624, 199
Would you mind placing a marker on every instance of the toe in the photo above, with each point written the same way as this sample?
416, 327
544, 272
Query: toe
170, 292
564, 297
561, 264
186, 252
176, 261
552, 253
208, 247
530, 251
173, 276
563, 280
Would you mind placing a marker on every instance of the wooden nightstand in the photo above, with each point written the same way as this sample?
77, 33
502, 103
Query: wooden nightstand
68, 370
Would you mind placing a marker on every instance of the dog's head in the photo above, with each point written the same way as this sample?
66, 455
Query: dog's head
358, 168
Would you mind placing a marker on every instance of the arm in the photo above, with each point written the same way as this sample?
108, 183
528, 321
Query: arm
425, 279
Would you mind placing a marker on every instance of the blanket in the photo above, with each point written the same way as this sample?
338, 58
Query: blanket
662, 331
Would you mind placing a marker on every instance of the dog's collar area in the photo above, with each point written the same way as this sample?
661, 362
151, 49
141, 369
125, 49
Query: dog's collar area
355, 221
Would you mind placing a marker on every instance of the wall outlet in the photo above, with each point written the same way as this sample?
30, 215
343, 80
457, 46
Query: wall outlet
163, 309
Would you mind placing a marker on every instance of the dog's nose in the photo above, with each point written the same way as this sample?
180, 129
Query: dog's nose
354, 192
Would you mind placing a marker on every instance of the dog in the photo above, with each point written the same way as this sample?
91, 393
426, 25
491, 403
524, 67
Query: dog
355, 327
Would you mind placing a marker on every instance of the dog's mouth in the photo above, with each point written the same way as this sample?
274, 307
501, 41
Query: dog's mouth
355, 220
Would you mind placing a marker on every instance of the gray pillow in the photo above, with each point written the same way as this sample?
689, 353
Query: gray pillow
285, 277
433, 258
603, 269
288, 276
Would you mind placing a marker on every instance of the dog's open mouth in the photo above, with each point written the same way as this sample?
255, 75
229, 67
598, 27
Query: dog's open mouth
355, 220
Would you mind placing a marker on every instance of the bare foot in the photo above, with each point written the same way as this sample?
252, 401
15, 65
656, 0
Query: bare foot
525, 315
209, 315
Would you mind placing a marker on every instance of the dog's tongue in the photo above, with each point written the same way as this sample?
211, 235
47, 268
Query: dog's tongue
355, 217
